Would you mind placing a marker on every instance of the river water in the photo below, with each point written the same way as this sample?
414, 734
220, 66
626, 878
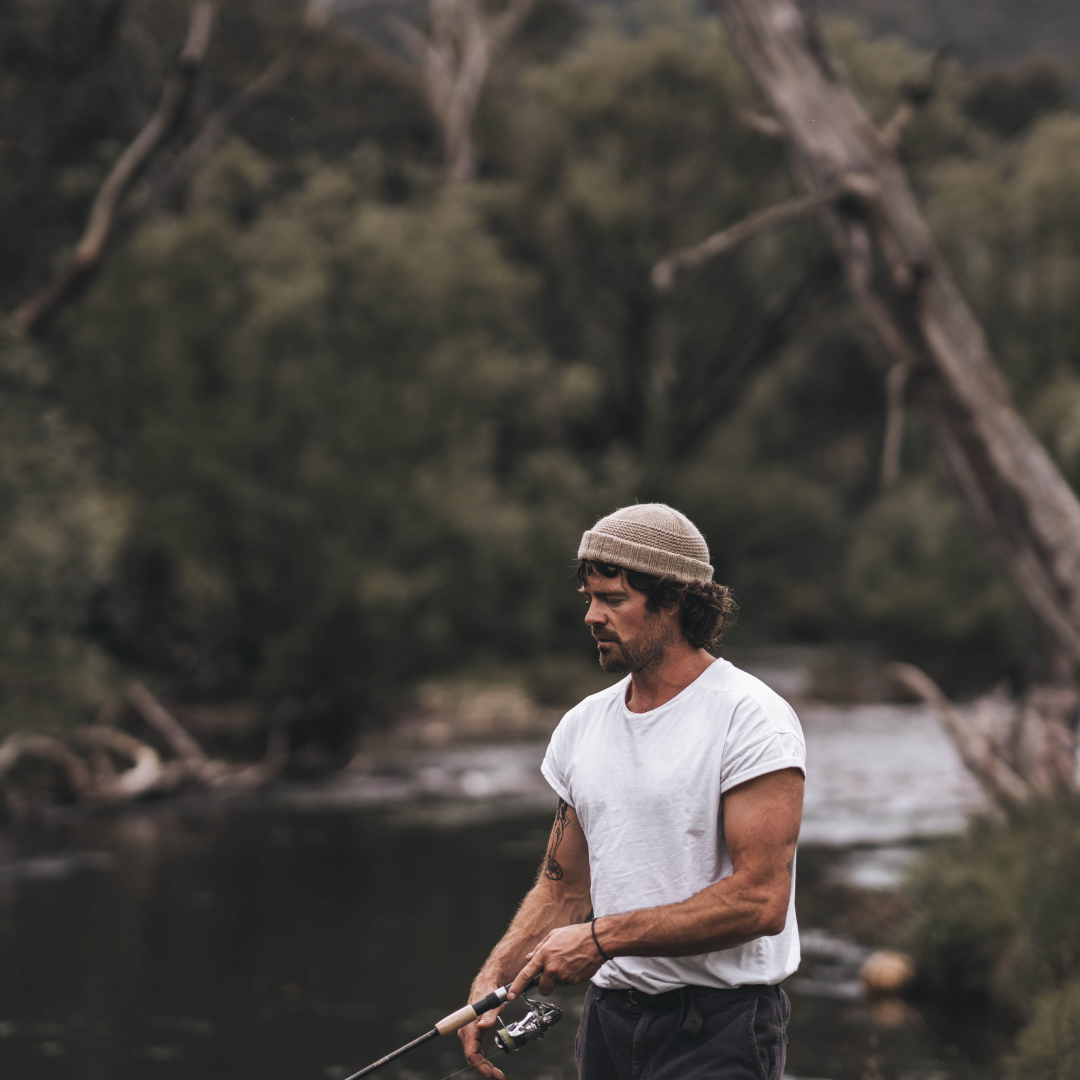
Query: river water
301, 934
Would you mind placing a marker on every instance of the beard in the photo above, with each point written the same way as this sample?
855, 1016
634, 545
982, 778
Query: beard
640, 653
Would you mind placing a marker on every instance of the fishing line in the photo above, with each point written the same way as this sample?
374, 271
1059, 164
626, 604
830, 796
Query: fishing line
464, 1067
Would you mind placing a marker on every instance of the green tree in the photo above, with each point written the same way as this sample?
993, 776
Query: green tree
342, 439
59, 530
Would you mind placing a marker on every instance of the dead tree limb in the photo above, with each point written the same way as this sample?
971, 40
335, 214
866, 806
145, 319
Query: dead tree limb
147, 773
46, 748
663, 273
33, 315
176, 736
1025, 510
915, 92
895, 386
455, 57
198, 766
212, 135
221, 121
975, 744
759, 122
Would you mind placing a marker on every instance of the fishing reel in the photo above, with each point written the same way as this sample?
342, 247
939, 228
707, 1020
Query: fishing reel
533, 1025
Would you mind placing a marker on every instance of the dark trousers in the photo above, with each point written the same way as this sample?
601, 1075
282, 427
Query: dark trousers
742, 1035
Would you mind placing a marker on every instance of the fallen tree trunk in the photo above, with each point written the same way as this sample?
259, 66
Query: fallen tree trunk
146, 774
1023, 508
48, 749
93, 778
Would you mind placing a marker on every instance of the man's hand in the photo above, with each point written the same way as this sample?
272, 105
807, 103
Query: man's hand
567, 956
560, 896
471, 1034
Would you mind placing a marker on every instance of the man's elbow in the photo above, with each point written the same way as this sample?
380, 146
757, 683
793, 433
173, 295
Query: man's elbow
772, 919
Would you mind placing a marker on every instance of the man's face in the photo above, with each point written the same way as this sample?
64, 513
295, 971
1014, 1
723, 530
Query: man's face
629, 637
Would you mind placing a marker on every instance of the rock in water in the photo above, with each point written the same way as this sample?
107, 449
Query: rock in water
886, 972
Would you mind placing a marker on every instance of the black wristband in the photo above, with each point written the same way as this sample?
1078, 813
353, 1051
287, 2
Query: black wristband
596, 942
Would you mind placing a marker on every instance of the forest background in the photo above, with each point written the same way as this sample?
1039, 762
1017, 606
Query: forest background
330, 421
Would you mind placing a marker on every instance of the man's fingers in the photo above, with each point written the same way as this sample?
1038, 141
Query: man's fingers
474, 1054
483, 1066
488, 1019
524, 977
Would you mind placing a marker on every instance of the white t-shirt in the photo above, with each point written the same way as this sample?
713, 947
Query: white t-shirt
646, 788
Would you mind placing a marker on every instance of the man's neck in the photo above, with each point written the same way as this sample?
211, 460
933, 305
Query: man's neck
650, 689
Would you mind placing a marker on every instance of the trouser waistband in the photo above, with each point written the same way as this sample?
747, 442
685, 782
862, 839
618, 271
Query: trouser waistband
685, 999
673, 999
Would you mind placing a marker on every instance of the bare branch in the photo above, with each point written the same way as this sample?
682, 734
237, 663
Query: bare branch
510, 22
212, 135
32, 315
215, 130
146, 773
44, 747
915, 92
663, 273
759, 122
250, 777
895, 385
414, 42
455, 58
168, 727
1000, 782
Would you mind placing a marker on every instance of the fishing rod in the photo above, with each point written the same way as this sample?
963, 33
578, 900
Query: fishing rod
509, 1037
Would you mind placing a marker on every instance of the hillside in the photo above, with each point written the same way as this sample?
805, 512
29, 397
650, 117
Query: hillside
990, 32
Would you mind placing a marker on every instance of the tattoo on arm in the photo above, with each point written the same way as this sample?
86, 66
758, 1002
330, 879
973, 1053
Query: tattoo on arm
790, 865
552, 870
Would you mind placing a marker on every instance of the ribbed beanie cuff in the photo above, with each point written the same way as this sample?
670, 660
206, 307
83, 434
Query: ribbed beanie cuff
651, 538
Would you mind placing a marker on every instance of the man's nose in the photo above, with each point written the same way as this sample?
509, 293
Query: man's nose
593, 615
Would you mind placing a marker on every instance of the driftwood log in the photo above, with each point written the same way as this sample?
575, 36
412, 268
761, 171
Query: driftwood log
1023, 508
83, 759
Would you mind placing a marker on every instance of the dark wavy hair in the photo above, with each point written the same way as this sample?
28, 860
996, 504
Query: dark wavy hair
706, 609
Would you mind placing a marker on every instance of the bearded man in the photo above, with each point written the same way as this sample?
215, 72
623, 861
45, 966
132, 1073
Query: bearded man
669, 875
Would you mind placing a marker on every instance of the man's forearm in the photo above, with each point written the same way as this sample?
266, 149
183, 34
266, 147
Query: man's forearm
729, 913
545, 907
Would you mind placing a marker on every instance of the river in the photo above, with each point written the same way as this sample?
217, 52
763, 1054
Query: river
302, 933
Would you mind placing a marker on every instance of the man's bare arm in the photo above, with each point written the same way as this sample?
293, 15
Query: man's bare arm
559, 897
761, 826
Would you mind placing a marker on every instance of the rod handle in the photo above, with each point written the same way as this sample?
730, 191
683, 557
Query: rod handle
468, 1013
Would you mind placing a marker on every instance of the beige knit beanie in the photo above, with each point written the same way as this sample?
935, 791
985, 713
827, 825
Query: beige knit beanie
652, 538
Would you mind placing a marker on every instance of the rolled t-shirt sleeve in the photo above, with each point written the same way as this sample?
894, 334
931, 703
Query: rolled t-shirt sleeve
761, 740
552, 766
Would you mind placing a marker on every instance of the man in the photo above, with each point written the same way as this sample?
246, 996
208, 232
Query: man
680, 799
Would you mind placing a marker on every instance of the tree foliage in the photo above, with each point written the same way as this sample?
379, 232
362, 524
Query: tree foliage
996, 921
60, 529
356, 421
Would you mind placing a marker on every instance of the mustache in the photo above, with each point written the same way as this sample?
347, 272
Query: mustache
603, 637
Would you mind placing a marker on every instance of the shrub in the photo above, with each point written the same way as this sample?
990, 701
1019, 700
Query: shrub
995, 910
1049, 1047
